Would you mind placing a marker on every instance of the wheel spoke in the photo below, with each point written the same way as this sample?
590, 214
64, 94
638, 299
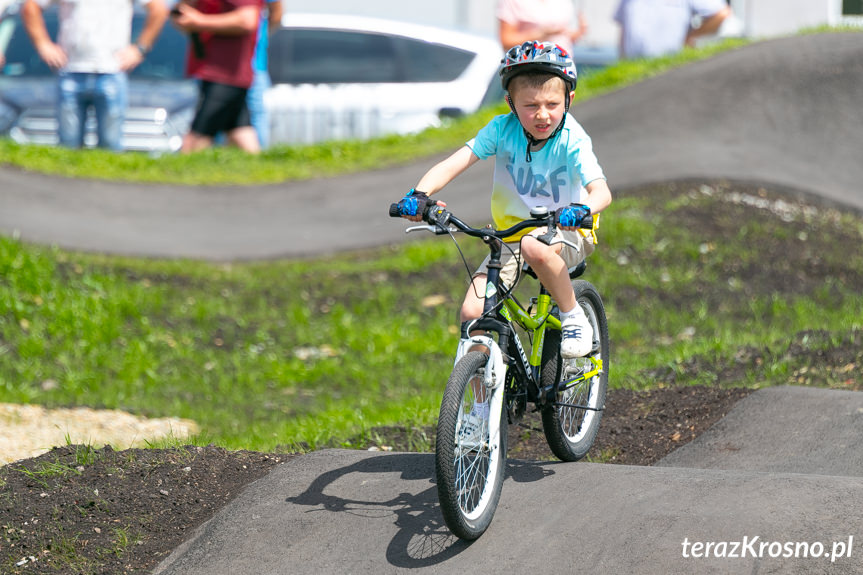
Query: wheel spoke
470, 480
471, 467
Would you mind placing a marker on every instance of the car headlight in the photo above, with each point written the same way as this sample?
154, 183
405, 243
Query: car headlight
8, 117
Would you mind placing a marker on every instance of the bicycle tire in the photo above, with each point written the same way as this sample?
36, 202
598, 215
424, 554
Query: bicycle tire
469, 478
571, 431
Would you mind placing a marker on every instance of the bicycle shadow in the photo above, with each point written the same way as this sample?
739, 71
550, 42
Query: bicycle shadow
422, 539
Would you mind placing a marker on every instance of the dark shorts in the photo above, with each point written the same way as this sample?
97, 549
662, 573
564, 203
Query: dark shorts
221, 108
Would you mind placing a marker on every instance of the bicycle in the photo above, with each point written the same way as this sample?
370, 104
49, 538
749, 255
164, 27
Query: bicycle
494, 366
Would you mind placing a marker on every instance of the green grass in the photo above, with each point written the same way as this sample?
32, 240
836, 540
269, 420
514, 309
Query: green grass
282, 163
306, 353
47, 470
260, 354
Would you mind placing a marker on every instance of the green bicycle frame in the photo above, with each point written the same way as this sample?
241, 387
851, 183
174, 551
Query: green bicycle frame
537, 323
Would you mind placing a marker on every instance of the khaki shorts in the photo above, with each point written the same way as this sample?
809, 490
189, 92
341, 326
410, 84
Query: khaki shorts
510, 257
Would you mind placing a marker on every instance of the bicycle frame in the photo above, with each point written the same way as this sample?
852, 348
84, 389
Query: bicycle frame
509, 313
537, 324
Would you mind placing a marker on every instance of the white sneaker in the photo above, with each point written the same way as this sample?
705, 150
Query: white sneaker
577, 337
472, 431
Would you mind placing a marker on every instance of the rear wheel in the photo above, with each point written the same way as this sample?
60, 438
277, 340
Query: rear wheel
572, 421
470, 452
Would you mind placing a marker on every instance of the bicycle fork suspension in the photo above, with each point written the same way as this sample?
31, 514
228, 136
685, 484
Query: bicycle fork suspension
494, 377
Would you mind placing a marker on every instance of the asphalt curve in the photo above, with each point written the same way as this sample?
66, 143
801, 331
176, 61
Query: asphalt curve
781, 474
783, 112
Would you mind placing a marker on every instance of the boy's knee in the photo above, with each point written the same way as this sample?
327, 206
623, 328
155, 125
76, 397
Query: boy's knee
470, 309
537, 253
473, 303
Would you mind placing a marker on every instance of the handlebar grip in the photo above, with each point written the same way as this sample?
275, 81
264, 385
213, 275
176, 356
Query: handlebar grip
408, 207
412, 206
574, 215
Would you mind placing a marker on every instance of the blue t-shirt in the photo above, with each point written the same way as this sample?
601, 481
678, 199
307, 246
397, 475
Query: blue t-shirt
555, 176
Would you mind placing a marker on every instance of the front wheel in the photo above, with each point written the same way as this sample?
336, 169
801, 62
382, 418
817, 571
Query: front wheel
571, 423
470, 450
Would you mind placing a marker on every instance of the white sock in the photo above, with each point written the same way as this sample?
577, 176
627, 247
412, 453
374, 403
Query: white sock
481, 409
574, 312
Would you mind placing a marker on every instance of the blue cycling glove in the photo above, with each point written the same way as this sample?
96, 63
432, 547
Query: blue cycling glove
572, 215
414, 204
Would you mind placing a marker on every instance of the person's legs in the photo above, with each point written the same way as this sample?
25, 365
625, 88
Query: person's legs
511, 262
245, 138
111, 99
551, 264
551, 270
221, 108
208, 119
71, 109
243, 135
474, 301
193, 142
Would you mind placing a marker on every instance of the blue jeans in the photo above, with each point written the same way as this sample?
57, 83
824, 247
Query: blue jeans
255, 101
107, 94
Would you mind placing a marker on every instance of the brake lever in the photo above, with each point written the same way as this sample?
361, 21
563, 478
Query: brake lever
437, 230
565, 242
541, 212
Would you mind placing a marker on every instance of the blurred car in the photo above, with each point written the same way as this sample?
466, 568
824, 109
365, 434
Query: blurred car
161, 99
592, 58
351, 77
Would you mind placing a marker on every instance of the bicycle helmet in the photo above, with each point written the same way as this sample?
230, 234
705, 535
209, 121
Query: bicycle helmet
538, 57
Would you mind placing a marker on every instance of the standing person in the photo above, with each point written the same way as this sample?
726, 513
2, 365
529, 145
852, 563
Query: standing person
651, 28
543, 157
271, 18
93, 55
223, 34
551, 20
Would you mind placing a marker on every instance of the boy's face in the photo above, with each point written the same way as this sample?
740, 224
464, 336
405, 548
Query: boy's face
539, 108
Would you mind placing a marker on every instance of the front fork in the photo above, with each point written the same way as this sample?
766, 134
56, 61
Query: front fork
495, 375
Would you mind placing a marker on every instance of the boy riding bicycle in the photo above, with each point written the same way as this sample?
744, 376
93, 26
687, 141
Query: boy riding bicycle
543, 157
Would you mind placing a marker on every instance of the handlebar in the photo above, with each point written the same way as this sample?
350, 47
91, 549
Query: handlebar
439, 220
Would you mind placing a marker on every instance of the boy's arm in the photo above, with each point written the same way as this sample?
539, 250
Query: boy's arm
447, 170
598, 198
598, 195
